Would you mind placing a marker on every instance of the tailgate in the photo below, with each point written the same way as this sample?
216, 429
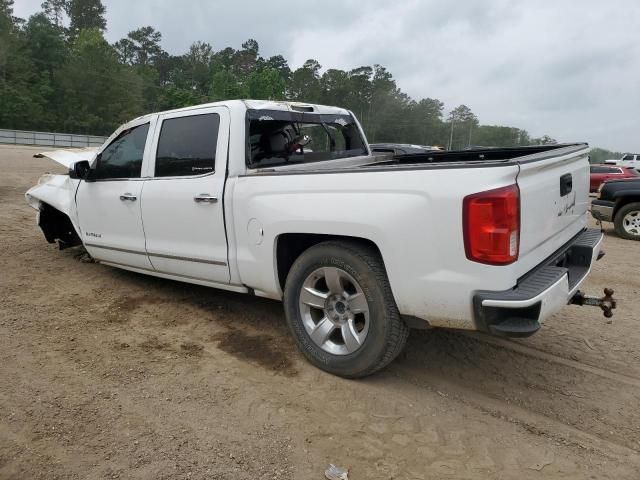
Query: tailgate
554, 196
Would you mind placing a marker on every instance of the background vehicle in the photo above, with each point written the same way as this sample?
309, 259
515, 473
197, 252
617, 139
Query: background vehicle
619, 202
628, 160
358, 247
602, 173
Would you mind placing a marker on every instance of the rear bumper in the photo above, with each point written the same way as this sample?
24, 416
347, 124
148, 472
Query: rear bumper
602, 210
518, 312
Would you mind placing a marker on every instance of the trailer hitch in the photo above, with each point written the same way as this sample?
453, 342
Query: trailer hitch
607, 303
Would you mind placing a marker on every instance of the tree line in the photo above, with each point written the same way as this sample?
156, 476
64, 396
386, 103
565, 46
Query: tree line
58, 72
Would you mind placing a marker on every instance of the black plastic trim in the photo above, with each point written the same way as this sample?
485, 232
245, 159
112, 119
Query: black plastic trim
573, 259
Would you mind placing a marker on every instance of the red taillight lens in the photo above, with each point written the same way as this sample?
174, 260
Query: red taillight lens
491, 224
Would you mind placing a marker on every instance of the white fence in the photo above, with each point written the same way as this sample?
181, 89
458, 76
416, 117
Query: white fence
23, 137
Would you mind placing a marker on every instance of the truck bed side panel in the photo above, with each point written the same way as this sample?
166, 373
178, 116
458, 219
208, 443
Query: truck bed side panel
414, 217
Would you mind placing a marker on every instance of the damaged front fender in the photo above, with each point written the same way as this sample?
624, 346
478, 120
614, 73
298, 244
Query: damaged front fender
54, 199
57, 191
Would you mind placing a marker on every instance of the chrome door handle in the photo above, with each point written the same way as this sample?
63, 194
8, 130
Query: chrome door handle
128, 196
205, 198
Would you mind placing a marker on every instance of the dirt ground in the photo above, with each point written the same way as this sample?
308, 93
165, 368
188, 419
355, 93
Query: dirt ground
110, 374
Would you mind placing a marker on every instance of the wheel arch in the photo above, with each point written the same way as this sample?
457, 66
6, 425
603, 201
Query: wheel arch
623, 200
57, 226
289, 246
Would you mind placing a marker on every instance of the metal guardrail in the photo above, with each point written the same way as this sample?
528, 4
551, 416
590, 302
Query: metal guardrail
50, 139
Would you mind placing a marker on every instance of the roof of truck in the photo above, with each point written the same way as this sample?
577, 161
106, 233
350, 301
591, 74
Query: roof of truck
261, 105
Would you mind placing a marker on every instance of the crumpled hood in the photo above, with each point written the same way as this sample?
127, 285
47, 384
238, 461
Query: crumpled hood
70, 156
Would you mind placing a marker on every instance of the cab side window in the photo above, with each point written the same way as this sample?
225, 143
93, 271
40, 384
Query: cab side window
187, 146
123, 157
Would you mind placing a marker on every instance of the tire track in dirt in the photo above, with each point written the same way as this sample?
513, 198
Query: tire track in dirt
539, 389
96, 352
552, 357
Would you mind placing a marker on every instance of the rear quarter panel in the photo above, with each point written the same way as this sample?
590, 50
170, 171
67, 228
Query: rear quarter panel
413, 216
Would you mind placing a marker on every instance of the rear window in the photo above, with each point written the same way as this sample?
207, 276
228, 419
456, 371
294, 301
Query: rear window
282, 138
605, 170
187, 146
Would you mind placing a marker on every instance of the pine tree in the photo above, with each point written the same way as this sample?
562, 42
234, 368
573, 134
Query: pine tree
85, 14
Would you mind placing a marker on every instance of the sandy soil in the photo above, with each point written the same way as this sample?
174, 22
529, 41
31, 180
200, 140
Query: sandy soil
110, 374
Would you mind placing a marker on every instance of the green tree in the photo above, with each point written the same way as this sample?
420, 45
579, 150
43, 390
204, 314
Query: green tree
226, 85
24, 89
266, 84
544, 140
495, 135
85, 14
100, 92
52, 78
462, 121
305, 82
55, 10
280, 65
141, 47
599, 155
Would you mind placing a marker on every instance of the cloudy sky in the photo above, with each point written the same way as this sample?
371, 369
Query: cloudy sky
567, 68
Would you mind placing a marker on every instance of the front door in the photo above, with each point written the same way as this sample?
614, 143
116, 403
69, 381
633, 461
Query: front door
108, 203
182, 201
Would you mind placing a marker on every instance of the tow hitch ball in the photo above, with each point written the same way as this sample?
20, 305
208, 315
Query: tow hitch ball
607, 303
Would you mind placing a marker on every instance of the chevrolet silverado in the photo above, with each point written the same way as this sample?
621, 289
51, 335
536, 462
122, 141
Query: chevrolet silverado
286, 201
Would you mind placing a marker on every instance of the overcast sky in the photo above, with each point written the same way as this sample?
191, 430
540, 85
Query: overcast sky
567, 68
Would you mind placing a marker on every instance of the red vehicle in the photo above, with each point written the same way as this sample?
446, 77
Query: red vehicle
602, 173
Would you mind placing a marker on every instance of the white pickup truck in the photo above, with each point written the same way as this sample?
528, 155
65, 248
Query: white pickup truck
629, 160
285, 201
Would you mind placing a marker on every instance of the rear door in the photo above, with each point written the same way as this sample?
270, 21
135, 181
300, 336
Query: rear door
554, 196
108, 206
182, 201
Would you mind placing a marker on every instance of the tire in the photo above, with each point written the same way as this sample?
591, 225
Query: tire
364, 336
627, 221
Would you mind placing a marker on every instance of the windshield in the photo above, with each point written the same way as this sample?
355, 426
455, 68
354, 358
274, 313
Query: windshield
283, 138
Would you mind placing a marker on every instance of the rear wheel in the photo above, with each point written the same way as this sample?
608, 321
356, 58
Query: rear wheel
627, 221
341, 311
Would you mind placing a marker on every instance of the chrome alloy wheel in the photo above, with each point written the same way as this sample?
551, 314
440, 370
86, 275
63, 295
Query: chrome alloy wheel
631, 223
334, 310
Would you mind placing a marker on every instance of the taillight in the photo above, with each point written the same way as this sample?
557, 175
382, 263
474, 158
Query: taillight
491, 224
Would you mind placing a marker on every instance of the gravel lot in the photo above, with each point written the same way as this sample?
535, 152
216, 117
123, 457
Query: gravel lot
110, 374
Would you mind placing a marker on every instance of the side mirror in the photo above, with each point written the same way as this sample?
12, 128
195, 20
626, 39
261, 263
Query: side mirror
80, 170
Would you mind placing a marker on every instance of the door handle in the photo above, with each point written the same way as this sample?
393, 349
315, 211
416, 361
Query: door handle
566, 184
205, 198
128, 196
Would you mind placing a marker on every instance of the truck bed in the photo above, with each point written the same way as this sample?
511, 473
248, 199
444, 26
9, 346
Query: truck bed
477, 155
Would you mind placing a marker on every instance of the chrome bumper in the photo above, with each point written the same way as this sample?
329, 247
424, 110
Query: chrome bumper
602, 211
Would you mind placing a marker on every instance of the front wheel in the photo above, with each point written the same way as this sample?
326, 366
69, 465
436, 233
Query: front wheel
627, 221
341, 311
